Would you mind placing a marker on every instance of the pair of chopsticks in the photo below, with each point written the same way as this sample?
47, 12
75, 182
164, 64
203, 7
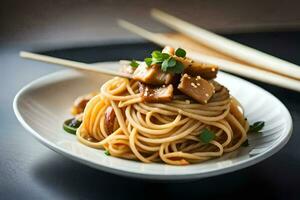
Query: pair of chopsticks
203, 46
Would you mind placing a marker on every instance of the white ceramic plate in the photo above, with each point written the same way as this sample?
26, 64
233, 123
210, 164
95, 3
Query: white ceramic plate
44, 104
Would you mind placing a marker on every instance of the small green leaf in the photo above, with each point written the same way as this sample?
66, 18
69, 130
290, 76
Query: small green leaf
148, 61
166, 61
134, 63
106, 152
256, 127
71, 125
206, 136
165, 56
156, 54
171, 62
156, 61
178, 68
165, 65
75, 123
246, 143
180, 53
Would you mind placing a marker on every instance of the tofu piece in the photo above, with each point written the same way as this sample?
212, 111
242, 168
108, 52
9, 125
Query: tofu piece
152, 75
196, 87
217, 85
192, 68
160, 94
221, 94
126, 68
168, 50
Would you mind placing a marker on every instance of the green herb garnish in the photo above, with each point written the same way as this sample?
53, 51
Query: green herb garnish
177, 69
165, 65
168, 64
166, 61
106, 152
256, 127
172, 62
71, 125
165, 56
180, 52
148, 61
207, 136
156, 54
134, 63
159, 57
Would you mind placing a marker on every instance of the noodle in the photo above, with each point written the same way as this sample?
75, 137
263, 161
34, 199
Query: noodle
167, 132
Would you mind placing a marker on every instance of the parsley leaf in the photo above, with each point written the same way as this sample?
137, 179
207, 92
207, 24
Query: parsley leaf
166, 61
165, 65
148, 61
177, 69
158, 57
171, 65
134, 63
165, 56
171, 62
256, 127
106, 152
156, 54
206, 136
180, 53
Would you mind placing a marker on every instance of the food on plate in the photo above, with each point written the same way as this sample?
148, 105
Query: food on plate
172, 111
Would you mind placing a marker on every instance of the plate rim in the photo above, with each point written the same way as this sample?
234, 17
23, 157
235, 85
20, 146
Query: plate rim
100, 166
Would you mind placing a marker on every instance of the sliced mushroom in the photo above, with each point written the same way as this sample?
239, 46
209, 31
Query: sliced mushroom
221, 94
161, 94
217, 85
110, 118
196, 87
80, 103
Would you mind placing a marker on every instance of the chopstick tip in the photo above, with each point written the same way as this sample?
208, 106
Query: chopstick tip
22, 53
123, 23
132, 27
156, 12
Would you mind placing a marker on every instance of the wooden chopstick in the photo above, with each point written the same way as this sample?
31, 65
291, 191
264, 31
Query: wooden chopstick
229, 47
189, 43
226, 65
71, 64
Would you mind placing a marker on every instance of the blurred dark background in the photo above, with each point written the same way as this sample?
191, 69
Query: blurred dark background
78, 30
67, 22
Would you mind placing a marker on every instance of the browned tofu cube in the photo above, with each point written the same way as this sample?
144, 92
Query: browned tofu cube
152, 75
196, 87
192, 68
204, 70
169, 50
160, 94
126, 68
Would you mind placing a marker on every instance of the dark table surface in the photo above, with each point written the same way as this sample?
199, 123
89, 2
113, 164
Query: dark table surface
28, 170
